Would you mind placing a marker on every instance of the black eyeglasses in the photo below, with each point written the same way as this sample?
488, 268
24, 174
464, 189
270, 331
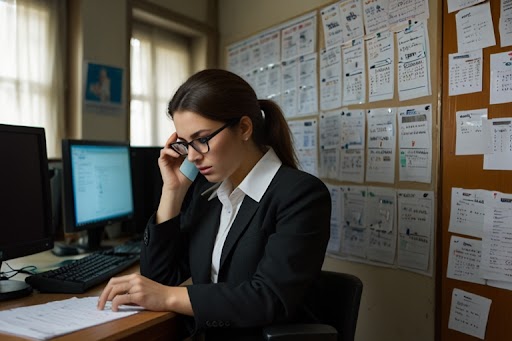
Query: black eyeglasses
200, 144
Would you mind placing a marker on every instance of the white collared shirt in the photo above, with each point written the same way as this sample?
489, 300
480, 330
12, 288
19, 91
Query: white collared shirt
255, 184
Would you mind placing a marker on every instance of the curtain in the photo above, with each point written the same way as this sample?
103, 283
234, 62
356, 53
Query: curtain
160, 62
31, 67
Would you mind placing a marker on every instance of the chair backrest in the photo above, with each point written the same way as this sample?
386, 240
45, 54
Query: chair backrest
335, 301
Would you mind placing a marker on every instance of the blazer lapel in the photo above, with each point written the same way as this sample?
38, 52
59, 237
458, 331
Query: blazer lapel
208, 225
243, 217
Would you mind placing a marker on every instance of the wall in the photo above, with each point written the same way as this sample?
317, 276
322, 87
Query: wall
99, 31
396, 304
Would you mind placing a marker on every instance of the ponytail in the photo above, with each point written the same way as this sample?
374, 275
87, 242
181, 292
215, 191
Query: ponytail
276, 132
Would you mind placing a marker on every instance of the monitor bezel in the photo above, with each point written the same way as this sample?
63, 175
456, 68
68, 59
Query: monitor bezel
70, 224
20, 249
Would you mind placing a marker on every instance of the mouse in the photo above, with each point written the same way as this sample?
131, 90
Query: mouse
60, 249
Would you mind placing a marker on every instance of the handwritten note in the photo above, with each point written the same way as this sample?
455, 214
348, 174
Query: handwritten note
464, 260
501, 78
468, 211
471, 138
475, 29
469, 313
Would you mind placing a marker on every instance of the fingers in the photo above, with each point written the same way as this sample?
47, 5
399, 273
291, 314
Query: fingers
117, 286
171, 139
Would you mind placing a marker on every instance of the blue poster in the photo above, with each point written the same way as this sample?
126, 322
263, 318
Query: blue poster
104, 84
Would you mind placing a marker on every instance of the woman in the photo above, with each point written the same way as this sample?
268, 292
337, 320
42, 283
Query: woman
251, 230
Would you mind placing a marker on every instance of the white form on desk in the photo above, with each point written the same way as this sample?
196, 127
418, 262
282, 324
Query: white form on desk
44, 321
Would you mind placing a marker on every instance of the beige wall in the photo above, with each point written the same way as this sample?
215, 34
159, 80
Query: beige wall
396, 304
99, 33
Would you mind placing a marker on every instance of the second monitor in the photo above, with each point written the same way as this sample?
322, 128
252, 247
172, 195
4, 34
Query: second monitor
97, 183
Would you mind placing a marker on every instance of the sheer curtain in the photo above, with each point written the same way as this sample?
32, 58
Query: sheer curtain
160, 62
31, 67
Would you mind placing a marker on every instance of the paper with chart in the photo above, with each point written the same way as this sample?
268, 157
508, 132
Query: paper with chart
298, 37
475, 29
330, 142
415, 143
375, 14
304, 134
329, 163
352, 145
499, 136
471, 139
467, 211
501, 78
270, 47
351, 14
354, 232
506, 23
308, 94
400, 11
465, 72
354, 77
289, 87
413, 62
464, 260
455, 5
380, 163
496, 246
381, 221
415, 230
381, 70
334, 244
469, 313
331, 21
330, 78
45, 321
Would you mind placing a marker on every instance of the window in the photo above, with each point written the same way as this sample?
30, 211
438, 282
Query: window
31, 67
160, 62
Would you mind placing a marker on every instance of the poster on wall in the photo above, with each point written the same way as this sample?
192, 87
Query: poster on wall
103, 89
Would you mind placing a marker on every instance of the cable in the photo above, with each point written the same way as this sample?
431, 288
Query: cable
29, 270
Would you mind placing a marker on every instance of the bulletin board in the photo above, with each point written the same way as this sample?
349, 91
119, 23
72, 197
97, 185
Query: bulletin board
467, 171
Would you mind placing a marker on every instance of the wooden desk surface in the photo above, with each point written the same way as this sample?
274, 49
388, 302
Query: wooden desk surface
143, 325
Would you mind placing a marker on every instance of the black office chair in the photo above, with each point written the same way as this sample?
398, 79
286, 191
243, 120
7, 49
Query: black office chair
334, 302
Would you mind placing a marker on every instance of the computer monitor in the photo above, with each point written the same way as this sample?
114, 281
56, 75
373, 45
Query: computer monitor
147, 186
97, 187
25, 209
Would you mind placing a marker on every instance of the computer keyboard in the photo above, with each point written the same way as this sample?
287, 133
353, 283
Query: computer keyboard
82, 274
128, 248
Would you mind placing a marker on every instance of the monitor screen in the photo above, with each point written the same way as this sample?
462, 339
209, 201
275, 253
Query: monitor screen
97, 184
25, 210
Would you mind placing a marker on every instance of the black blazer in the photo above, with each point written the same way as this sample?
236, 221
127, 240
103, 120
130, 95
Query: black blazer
272, 254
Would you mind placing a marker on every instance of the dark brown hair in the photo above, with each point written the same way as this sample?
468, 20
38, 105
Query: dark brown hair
223, 96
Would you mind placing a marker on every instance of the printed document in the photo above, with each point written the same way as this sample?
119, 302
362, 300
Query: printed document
464, 260
468, 211
469, 313
471, 139
45, 321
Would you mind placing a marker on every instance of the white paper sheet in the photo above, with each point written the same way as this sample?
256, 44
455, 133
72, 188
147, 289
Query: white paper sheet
352, 145
289, 87
499, 135
354, 234
415, 230
465, 72
455, 5
298, 37
464, 260
471, 139
330, 78
334, 245
413, 62
467, 211
401, 11
506, 23
45, 321
381, 220
305, 134
469, 313
496, 247
351, 14
331, 21
475, 29
381, 66
381, 155
270, 45
501, 78
415, 143
375, 16
354, 77
330, 130
329, 163
308, 79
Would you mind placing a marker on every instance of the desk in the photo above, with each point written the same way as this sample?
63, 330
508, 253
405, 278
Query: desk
145, 325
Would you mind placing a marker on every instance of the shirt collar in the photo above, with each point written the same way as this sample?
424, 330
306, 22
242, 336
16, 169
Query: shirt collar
256, 183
